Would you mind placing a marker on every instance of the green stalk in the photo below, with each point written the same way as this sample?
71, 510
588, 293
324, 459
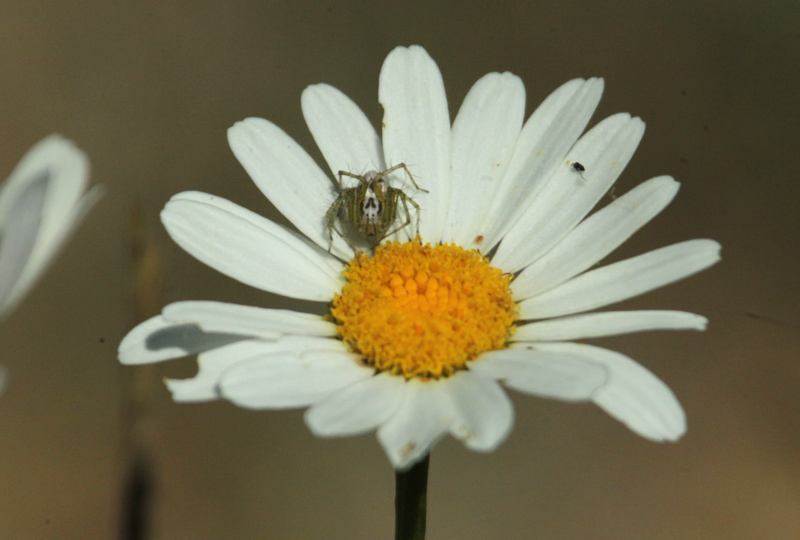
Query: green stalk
410, 502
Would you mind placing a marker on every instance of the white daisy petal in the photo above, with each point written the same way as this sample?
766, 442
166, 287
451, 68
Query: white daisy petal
610, 323
416, 131
633, 395
322, 257
247, 320
245, 246
595, 237
544, 141
533, 370
342, 131
287, 175
567, 197
158, 339
41, 203
622, 280
65, 169
424, 416
21, 224
212, 364
359, 408
288, 380
484, 134
483, 412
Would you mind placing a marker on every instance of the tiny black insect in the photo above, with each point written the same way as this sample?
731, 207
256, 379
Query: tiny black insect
579, 168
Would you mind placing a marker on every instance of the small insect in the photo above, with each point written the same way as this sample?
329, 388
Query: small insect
579, 168
370, 207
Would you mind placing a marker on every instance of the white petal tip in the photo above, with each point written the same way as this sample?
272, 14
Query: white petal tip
710, 249
665, 435
244, 128
701, 323
184, 391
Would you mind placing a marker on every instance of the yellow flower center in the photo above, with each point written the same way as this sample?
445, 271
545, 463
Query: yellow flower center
423, 311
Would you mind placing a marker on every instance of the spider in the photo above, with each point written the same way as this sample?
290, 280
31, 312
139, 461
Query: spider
370, 207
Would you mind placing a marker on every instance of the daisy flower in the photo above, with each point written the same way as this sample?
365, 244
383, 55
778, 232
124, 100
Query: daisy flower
41, 203
421, 336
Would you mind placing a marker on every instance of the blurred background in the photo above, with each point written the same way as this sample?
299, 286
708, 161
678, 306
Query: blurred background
149, 88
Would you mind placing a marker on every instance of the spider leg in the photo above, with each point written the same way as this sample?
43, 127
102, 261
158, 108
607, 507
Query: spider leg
416, 206
351, 175
402, 166
397, 194
330, 218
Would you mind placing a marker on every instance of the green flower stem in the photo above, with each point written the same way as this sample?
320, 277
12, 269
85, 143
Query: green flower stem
410, 502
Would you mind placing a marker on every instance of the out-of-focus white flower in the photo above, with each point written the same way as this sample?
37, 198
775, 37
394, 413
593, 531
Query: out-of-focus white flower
41, 203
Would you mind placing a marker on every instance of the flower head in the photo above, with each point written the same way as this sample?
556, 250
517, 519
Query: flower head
422, 333
423, 311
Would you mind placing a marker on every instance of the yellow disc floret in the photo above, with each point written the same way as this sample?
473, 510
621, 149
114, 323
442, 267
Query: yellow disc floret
423, 311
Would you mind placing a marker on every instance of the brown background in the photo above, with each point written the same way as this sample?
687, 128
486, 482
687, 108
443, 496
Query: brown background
148, 90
